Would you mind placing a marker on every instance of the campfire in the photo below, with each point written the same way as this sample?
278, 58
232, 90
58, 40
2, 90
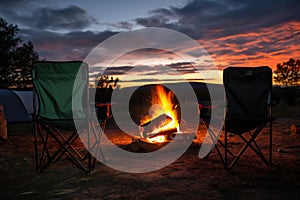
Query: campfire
163, 118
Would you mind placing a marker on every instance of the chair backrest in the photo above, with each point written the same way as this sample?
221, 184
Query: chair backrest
248, 90
54, 84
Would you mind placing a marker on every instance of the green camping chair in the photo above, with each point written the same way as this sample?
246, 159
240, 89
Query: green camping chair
56, 133
248, 111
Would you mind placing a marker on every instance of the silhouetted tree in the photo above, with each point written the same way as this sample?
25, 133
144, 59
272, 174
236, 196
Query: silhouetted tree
16, 58
104, 81
105, 86
288, 73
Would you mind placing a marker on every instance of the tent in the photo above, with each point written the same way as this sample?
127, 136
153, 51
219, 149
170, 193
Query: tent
18, 105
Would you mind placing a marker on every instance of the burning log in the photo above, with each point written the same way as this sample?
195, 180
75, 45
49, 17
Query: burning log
143, 145
165, 133
158, 122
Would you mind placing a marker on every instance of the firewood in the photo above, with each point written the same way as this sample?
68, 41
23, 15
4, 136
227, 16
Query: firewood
158, 122
166, 133
150, 147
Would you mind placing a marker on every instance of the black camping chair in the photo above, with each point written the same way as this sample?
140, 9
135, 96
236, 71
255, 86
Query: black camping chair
248, 111
56, 133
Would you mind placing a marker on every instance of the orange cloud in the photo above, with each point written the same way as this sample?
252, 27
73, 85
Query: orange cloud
267, 46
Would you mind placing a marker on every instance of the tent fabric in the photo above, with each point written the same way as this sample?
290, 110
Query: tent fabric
14, 108
27, 99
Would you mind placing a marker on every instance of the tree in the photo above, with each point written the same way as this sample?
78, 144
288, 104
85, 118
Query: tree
104, 87
16, 58
104, 81
288, 73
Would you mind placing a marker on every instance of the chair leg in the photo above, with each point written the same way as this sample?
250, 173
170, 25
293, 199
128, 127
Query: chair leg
98, 137
226, 149
65, 146
271, 143
248, 143
255, 148
36, 154
224, 158
44, 152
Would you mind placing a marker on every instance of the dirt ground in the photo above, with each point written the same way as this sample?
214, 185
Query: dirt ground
187, 178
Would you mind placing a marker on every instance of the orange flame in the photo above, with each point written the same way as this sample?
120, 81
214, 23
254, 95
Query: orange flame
162, 103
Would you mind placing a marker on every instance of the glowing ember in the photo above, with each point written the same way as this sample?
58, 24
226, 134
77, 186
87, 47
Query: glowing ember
157, 139
162, 115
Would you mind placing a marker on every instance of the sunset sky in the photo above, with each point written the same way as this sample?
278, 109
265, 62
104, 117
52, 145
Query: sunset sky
233, 32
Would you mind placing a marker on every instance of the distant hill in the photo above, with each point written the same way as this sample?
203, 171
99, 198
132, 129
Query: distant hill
202, 90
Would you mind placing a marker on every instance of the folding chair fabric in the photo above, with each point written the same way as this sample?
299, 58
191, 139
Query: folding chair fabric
54, 82
247, 91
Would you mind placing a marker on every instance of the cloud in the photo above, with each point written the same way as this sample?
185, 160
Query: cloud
121, 25
64, 46
213, 18
234, 32
153, 21
268, 46
10, 9
12, 3
69, 18
163, 12
153, 81
34, 15
118, 70
184, 67
150, 71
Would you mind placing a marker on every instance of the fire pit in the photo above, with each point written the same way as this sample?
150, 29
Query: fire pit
161, 125
144, 145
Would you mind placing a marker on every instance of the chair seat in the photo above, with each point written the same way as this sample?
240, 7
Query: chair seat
241, 126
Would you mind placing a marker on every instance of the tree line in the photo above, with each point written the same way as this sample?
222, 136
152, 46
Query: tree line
16, 58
